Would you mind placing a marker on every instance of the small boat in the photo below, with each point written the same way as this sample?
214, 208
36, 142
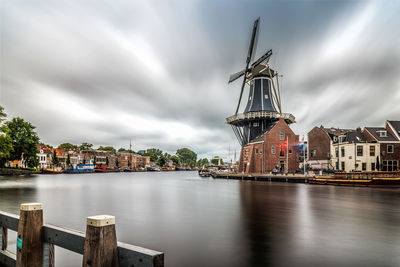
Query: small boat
52, 171
104, 169
204, 173
82, 168
129, 170
153, 169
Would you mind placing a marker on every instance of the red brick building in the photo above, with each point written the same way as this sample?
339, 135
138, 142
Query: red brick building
276, 148
388, 138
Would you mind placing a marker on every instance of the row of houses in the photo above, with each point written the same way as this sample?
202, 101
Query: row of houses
368, 149
68, 159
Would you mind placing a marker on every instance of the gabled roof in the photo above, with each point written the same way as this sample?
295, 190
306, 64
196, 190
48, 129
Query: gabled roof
374, 132
260, 137
336, 131
395, 125
355, 137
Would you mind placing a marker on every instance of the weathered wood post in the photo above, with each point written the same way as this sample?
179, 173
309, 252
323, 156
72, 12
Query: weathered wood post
29, 239
4, 238
100, 242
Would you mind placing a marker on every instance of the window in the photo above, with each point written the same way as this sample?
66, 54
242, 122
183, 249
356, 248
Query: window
337, 152
256, 150
372, 150
364, 166
282, 136
390, 149
313, 153
373, 166
290, 150
342, 165
337, 165
281, 152
359, 151
273, 149
390, 165
382, 133
342, 150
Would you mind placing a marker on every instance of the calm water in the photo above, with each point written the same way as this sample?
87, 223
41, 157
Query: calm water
206, 222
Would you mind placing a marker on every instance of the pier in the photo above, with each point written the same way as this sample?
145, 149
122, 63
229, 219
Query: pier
290, 178
99, 246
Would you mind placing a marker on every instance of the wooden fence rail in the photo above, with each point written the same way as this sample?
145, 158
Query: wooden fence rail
99, 246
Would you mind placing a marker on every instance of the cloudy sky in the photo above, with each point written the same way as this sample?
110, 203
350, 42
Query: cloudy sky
156, 72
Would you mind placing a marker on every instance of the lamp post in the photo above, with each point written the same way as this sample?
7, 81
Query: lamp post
287, 154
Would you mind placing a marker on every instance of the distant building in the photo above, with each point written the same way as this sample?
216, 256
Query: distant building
132, 160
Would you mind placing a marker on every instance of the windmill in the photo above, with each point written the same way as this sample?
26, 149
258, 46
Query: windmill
263, 107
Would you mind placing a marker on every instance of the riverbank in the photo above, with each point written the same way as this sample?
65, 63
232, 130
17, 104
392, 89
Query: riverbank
17, 171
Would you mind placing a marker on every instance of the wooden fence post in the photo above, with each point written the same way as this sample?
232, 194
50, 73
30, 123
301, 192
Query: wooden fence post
29, 239
4, 238
100, 242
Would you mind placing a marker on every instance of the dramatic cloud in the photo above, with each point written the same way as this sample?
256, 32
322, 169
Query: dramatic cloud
156, 71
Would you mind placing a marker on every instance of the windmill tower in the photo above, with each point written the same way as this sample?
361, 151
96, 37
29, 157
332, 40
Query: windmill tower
263, 108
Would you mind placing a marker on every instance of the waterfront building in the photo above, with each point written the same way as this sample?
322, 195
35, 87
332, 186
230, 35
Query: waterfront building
276, 148
131, 160
388, 140
44, 156
353, 152
263, 129
320, 146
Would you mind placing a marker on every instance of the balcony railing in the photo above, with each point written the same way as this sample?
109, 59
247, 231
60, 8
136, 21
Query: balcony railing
260, 115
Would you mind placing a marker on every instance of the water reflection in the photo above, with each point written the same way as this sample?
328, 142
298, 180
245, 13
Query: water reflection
206, 222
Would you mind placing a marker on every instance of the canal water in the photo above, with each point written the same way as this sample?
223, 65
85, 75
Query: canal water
207, 222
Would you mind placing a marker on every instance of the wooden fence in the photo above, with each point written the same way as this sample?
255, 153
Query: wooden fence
99, 246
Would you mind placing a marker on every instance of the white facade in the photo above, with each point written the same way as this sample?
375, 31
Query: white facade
42, 159
355, 156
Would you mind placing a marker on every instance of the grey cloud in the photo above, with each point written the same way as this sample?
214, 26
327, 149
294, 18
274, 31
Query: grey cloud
99, 72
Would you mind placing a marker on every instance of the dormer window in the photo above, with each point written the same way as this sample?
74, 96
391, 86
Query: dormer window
341, 138
382, 133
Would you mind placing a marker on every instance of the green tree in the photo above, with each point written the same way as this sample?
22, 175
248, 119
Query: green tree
6, 147
175, 160
86, 146
24, 141
107, 148
217, 161
3, 115
154, 154
54, 158
187, 156
161, 161
68, 160
203, 162
68, 146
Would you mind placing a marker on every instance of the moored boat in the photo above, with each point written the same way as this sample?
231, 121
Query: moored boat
375, 178
81, 168
105, 169
52, 171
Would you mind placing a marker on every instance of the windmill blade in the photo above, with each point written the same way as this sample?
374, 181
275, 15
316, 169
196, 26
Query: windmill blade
241, 93
252, 41
236, 75
264, 58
